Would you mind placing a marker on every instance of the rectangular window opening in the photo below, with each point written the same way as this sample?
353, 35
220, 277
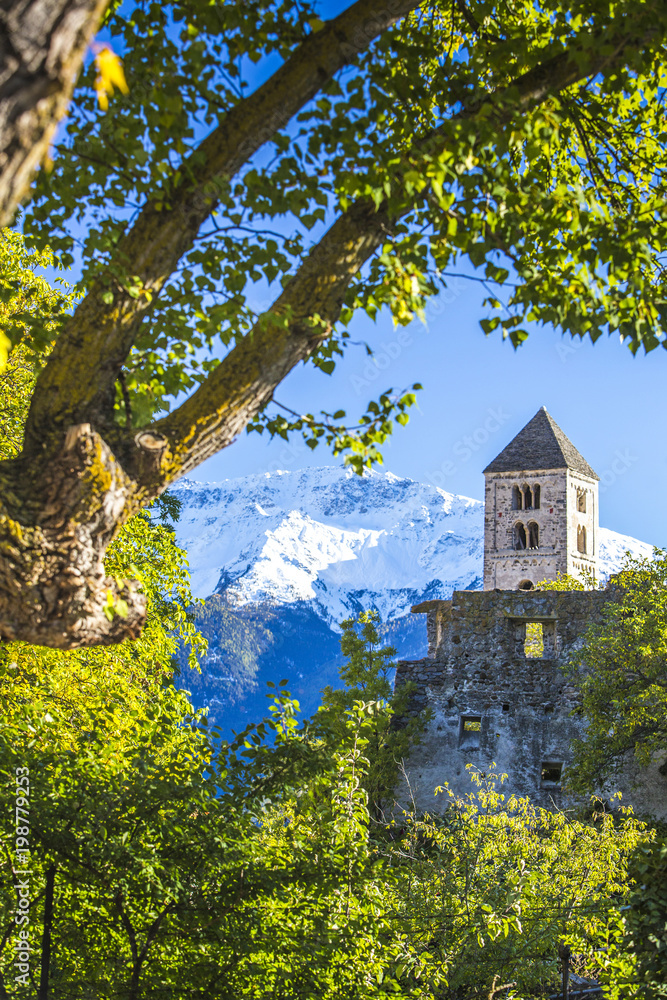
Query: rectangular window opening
533, 646
552, 771
470, 731
506, 707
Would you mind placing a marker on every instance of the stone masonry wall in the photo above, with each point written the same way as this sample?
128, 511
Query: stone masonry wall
557, 518
492, 702
506, 567
578, 562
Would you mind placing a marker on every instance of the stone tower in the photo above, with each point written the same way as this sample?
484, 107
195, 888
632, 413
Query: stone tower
541, 510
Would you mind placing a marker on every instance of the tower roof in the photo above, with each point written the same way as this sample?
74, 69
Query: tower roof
540, 445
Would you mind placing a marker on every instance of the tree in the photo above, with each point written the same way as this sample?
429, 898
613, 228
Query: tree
646, 920
101, 738
523, 134
367, 678
494, 886
621, 671
42, 45
176, 866
179, 866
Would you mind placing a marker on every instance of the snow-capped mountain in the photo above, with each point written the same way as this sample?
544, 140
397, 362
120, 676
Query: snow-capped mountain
338, 541
287, 556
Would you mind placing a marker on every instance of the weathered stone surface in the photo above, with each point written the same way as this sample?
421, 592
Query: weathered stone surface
477, 668
495, 699
541, 517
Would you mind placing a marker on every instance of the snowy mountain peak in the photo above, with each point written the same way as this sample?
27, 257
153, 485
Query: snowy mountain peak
340, 541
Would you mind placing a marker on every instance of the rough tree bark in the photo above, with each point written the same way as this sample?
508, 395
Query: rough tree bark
81, 476
42, 45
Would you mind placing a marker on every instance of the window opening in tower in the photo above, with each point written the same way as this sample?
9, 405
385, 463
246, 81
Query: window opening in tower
581, 539
519, 536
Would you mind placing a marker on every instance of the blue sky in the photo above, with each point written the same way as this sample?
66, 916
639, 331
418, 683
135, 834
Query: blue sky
478, 392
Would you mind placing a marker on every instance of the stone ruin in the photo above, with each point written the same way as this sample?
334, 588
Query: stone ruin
493, 676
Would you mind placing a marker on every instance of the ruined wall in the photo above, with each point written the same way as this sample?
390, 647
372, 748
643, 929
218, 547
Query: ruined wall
492, 702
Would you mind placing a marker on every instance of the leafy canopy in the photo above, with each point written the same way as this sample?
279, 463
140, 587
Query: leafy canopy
188, 867
555, 199
31, 310
621, 671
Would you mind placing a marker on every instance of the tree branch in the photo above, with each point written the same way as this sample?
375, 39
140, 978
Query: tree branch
42, 44
77, 384
247, 377
244, 382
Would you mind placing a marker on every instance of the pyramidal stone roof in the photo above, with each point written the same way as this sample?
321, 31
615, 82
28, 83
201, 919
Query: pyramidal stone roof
540, 445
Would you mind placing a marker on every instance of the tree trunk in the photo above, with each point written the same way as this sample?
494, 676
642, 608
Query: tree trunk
80, 476
45, 966
55, 526
42, 45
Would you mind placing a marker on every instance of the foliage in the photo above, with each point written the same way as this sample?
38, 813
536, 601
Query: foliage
534, 193
177, 875
494, 886
366, 675
621, 671
186, 868
564, 581
109, 75
318, 912
33, 309
646, 919
534, 644
108, 745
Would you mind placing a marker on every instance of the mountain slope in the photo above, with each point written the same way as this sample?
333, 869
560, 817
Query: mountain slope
322, 535
291, 554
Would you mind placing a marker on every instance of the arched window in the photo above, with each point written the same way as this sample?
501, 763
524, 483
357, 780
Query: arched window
526, 585
581, 501
519, 536
533, 536
527, 498
581, 539
517, 498
536, 496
